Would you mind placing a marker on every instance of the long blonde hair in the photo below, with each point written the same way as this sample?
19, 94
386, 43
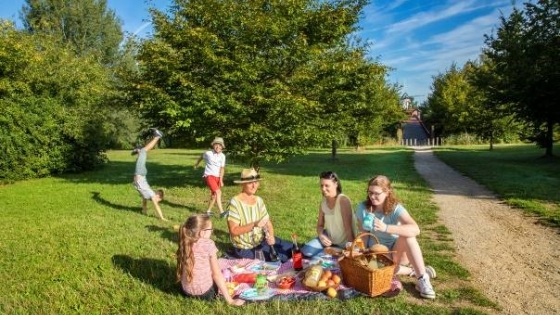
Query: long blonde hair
188, 235
391, 200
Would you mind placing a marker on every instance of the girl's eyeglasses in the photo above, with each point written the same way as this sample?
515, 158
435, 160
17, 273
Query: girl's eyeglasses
375, 193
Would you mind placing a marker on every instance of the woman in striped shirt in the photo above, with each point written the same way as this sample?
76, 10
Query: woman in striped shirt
249, 224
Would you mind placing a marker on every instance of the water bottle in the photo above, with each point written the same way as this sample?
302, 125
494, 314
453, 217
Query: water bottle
368, 222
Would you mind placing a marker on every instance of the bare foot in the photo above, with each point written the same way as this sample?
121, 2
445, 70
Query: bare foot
237, 302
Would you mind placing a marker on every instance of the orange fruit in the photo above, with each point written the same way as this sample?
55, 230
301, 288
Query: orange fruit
336, 279
327, 274
331, 283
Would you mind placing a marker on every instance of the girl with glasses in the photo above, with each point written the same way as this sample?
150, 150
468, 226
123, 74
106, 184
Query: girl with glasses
197, 262
382, 215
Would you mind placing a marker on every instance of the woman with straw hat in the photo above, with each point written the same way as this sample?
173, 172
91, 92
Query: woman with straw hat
249, 224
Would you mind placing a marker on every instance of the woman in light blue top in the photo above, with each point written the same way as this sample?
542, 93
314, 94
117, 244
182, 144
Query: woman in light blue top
382, 215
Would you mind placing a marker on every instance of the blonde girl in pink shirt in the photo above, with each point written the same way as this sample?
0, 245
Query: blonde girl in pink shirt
197, 261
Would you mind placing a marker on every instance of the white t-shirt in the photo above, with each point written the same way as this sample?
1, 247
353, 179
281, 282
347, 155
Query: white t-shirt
214, 162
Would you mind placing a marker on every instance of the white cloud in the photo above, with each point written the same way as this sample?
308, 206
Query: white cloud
141, 28
422, 44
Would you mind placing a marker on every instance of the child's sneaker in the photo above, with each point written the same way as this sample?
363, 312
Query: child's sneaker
157, 133
224, 214
429, 270
209, 213
135, 151
425, 288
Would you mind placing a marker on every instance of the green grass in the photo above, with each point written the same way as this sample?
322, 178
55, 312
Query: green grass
78, 244
519, 174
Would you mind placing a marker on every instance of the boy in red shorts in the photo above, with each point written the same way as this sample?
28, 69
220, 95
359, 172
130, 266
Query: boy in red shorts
214, 173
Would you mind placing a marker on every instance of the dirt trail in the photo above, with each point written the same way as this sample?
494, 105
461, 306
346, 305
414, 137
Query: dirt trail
514, 260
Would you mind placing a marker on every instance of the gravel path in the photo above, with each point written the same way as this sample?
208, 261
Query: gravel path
513, 260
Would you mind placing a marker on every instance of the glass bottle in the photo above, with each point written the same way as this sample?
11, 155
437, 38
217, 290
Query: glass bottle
297, 256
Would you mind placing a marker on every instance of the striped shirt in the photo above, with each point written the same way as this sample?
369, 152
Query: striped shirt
243, 214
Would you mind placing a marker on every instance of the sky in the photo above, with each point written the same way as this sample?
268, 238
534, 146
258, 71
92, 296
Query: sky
417, 39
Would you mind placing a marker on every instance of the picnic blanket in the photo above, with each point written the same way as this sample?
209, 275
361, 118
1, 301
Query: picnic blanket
298, 292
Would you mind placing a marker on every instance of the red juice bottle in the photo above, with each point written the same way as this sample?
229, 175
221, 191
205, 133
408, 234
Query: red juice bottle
297, 256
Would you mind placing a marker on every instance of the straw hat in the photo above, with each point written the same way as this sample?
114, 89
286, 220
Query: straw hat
220, 141
248, 175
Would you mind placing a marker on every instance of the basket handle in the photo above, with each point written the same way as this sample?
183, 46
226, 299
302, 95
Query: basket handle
358, 237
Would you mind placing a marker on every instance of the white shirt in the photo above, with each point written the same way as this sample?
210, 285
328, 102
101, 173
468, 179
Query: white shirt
214, 162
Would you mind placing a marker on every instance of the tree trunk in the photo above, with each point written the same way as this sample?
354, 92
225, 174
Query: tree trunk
549, 137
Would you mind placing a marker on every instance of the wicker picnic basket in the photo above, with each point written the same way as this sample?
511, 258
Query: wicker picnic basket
357, 275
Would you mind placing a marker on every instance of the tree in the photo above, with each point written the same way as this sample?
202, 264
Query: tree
355, 100
493, 122
86, 25
266, 75
525, 51
49, 119
449, 107
93, 31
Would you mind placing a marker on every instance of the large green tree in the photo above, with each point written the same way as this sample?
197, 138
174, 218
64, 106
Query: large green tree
459, 104
88, 26
493, 122
525, 52
270, 76
449, 107
91, 30
48, 115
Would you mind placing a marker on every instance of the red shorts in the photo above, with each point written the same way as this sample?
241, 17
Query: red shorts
213, 183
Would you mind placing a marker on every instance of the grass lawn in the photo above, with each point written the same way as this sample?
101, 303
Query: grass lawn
519, 174
78, 244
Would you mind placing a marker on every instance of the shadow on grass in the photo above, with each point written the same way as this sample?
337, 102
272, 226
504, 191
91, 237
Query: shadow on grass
176, 205
96, 196
165, 232
160, 175
155, 272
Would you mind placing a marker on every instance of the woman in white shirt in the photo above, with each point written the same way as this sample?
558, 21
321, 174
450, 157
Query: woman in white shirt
336, 223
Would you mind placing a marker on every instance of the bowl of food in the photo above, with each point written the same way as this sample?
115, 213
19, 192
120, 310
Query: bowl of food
327, 280
285, 283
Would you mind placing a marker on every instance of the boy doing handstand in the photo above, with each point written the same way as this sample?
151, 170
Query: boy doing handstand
140, 181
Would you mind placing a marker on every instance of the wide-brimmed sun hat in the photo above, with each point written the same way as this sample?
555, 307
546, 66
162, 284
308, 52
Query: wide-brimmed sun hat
220, 141
248, 175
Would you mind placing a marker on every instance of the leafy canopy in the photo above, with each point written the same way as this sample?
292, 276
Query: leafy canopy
271, 77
